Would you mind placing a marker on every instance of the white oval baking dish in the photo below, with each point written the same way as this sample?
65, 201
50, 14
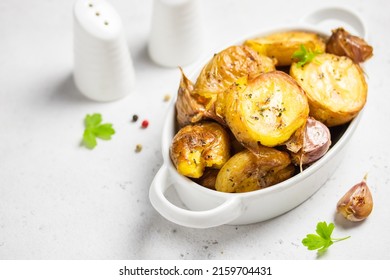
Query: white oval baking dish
208, 208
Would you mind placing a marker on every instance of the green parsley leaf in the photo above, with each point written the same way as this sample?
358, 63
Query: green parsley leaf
324, 230
94, 128
104, 131
314, 242
303, 55
323, 239
89, 139
94, 120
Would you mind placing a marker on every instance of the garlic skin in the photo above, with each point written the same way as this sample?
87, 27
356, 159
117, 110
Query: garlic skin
356, 205
316, 142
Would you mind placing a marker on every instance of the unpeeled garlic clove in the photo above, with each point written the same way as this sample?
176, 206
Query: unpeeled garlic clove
316, 141
356, 205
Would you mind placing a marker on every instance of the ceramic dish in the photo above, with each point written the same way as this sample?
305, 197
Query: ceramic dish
208, 208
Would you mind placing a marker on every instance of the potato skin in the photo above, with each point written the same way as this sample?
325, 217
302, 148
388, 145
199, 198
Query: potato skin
282, 45
265, 110
198, 146
335, 87
190, 107
246, 172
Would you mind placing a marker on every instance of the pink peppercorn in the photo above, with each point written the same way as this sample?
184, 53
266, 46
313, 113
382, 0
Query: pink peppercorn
145, 124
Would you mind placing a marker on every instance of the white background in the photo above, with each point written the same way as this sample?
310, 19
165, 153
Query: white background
59, 200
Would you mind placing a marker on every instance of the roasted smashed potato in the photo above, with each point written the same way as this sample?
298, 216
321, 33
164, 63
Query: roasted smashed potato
335, 87
198, 146
246, 172
204, 99
267, 109
281, 46
259, 112
229, 65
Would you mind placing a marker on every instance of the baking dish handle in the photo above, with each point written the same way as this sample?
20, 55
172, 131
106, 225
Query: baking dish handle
228, 211
340, 14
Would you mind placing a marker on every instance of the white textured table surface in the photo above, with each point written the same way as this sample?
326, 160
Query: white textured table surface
59, 200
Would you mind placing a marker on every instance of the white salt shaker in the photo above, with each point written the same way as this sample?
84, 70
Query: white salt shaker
103, 68
176, 36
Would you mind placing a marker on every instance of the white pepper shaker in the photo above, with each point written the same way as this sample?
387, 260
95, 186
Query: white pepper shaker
176, 36
103, 68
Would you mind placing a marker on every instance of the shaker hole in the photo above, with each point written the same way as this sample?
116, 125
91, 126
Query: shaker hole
106, 23
97, 14
90, 5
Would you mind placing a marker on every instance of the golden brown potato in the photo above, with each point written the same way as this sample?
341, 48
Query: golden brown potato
343, 43
276, 176
335, 87
224, 69
198, 146
199, 102
282, 45
265, 110
246, 172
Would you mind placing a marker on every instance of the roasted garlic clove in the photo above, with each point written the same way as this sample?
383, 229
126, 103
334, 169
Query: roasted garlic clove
343, 43
356, 204
316, 142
